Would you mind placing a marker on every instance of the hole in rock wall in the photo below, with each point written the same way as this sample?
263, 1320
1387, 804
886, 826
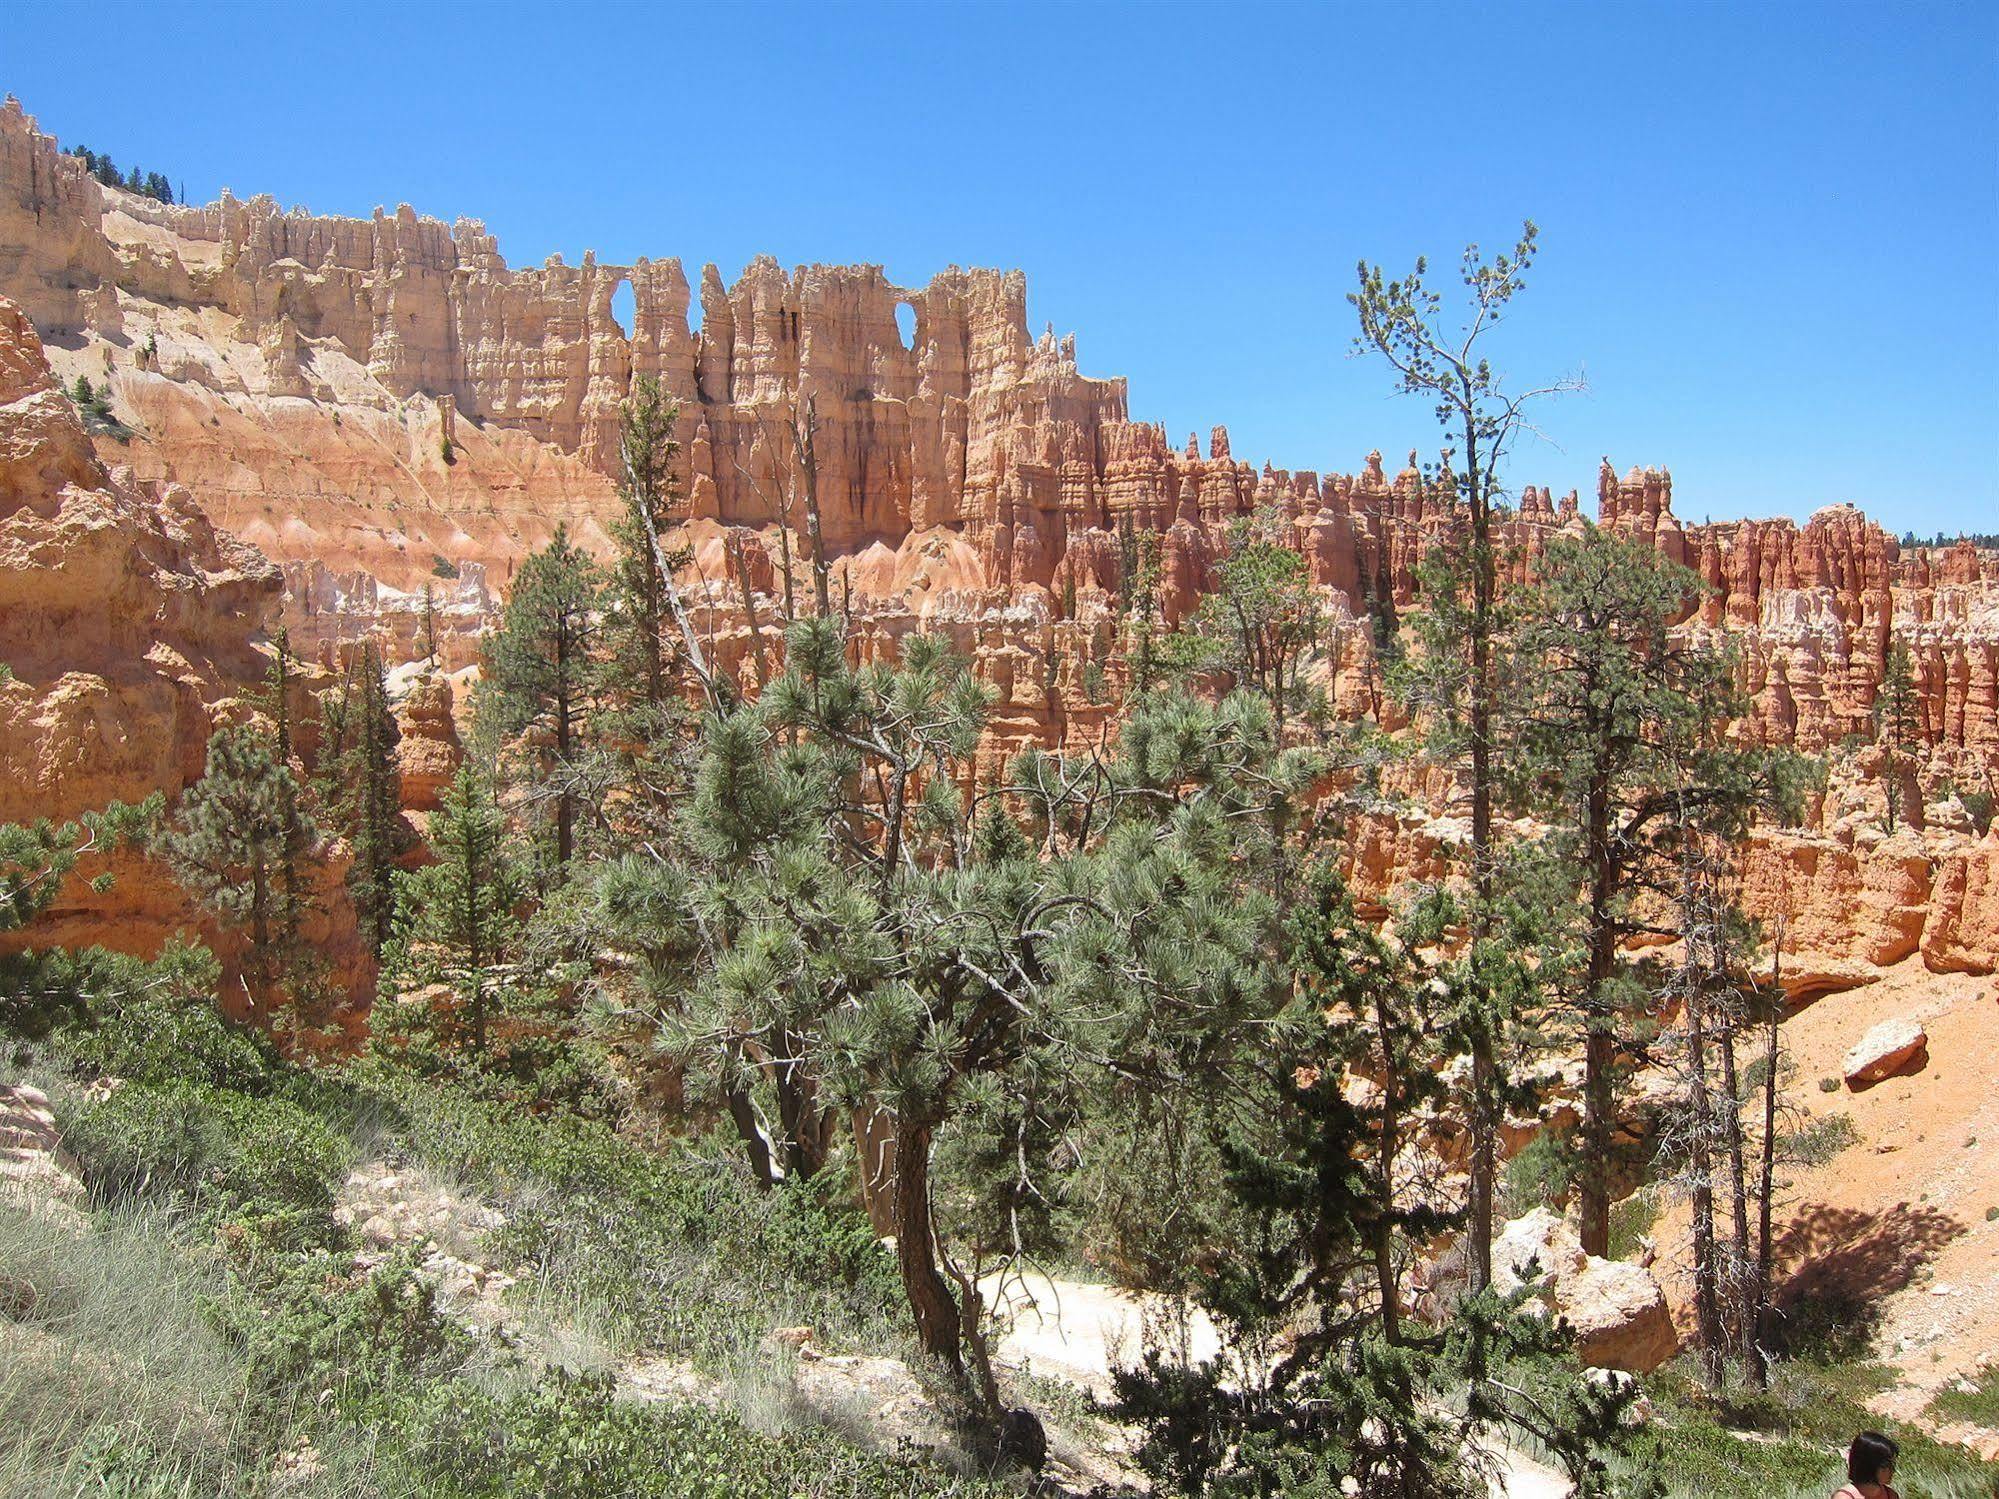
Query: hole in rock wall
905, 324
625, 308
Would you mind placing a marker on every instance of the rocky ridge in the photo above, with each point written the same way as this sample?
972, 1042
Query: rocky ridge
384, 406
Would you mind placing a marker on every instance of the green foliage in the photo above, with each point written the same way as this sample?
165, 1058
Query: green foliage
145, 1022
1818, 1141
674, 1251
541, 683
360, 785
639, 665
115, 1381
455, 917
152, 185
1541, 1175
236, 843
1898, 725
443, 567
215, 1151
1978, 806
33, 860
1972, 1400
447, 452
1263, 625
93, 404
567, 1438
1631, 1223
1789, 1441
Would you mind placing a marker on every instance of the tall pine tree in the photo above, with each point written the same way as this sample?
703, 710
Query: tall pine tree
541, 679
456, 916
230, 842
361, 787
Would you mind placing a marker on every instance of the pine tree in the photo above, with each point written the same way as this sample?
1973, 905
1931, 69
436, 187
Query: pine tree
1262, 624
229, 842
456, 916
294, 891
1898, 726
637, 615
1323, 1387
362, 787
1403, 322
541, 680
1620, 732
427, 624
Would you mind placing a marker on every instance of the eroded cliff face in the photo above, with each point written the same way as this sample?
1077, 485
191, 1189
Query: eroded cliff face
128, 632
384, 406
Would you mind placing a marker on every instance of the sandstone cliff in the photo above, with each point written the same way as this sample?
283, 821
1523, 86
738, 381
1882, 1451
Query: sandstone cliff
383, 405
128, 625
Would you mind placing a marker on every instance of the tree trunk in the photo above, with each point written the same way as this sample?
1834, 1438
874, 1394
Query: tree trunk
1600, 1042
938, 1332
1382, 1229
1484, 1043
1730, 1122
1759, 1307
1707, 1279
744, 1115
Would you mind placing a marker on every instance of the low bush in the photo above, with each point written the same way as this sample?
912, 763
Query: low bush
567, 1438
218, 1152
680, 1252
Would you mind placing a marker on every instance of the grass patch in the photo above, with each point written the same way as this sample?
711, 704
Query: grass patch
676, 1252
1978, 1404
1788, 1442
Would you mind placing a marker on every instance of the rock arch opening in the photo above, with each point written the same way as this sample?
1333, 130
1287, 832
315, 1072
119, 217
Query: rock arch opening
625, 308
905, 324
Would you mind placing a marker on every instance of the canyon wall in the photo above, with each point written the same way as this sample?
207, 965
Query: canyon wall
386, 409
130, 630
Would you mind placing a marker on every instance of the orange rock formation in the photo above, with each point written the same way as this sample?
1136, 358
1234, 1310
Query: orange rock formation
383, 405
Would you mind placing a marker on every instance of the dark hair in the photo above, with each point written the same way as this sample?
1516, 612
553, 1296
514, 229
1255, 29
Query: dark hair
1869, 1454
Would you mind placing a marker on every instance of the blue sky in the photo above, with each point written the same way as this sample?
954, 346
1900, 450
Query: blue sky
1769, 232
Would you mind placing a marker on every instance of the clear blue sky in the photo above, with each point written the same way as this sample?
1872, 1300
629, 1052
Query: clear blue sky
1770, 232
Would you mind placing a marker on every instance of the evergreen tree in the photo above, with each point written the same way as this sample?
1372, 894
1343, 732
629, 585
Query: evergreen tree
294, 892
1403, 321
541, 680
1323, 1385
427, 624
1621, 733
455, 917
1898, 726
1263, 623
229, 843
640, 670
362, 788
850, 933
34, 860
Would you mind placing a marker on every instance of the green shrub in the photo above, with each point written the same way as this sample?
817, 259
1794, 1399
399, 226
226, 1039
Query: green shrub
219, 1151
681, 1252
1630, 1222
1540, 1176
1817, 1142
567, 1438
1979, 1404
152, 1022
1978, 805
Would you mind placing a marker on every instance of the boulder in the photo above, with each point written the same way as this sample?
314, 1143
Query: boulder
35, 1171
1893, 1048
1617, 1309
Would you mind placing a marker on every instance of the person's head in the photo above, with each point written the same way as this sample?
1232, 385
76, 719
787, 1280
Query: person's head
1871, 1458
